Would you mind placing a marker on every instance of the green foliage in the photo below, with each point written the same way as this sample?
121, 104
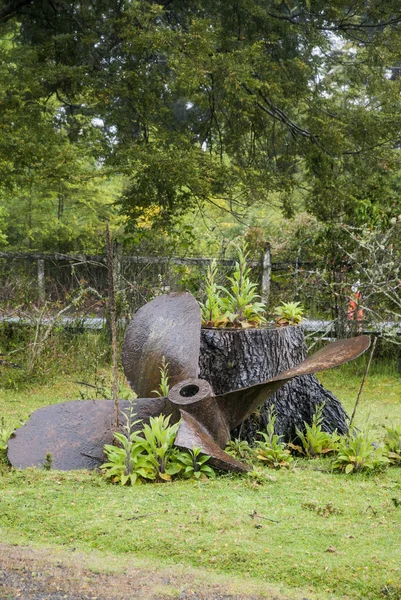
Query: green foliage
126, 462
194, 464
392, 444
5, 435
211, 308
240, 449
157, 441
47, 463
358, 452
314, 441
164, 387
271, 451
238, 306
289, 313
150, 455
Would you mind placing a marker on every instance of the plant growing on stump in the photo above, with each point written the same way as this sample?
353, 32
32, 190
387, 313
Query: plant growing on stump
237, 305
289, 313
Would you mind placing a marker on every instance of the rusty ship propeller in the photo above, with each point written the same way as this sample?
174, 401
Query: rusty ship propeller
75, 432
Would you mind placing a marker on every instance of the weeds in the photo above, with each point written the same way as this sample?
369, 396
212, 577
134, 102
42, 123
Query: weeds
357, 452
392, 444
271, 451
236, 305
150, 454
164, 386
315, 441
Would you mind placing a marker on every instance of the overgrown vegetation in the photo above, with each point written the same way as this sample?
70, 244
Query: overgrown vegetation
289, 313
234, 306
149, 454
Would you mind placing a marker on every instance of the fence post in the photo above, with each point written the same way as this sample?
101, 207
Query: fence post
112, 316
41, 280
266, 272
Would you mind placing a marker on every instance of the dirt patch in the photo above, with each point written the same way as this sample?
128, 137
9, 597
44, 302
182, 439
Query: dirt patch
28, 573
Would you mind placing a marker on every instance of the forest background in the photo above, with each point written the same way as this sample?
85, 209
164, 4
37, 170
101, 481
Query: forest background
191, 125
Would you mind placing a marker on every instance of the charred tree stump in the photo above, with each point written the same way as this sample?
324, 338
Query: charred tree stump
232, 359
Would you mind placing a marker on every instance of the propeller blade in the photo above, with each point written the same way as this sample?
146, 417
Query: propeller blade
74, 433
191, 434
167, 326
239, 404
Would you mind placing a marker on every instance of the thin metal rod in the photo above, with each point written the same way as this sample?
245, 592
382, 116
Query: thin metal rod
363, 380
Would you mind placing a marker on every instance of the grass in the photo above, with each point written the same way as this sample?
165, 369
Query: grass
307, 531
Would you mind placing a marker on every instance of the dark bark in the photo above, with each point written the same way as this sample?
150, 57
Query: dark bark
232, 359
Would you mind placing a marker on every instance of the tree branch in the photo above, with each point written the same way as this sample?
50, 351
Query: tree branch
12, 8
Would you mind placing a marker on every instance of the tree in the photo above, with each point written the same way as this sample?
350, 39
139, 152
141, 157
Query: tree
198, 100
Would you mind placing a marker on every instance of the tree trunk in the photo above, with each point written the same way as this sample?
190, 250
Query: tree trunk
232, 359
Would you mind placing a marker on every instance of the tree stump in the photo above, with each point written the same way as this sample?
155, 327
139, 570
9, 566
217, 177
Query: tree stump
232, 359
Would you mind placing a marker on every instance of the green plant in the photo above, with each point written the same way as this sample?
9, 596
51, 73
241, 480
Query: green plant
239, 449
236, 306
150, 454
164, 386
239, 305
314, 441
194, 464
157, 440
392, 444
289, 313
358, 451
271, 451
47, 463
5, 435
127, 464
211, 309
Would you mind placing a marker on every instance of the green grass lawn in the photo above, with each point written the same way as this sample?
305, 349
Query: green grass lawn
306, 531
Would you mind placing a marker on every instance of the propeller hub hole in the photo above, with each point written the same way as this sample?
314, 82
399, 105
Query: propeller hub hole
189, 390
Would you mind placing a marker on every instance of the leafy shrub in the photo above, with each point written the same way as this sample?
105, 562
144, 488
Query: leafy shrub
271, 451
157, 442
211, 309
236, 306
314, 441
193, 464
239, 449
126, 464
392, 444
289, 313
357, 451
150, 454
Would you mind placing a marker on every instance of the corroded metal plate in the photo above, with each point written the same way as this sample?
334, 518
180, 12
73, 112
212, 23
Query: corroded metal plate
239, 404
167, 326
74, 433
191, 434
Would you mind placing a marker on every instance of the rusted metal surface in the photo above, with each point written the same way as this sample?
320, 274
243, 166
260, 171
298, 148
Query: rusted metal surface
217, 416
167, 326
191, 434
74, 433
239, 404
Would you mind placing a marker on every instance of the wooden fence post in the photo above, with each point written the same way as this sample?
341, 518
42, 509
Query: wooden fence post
41, 281
266, 272
112, 315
